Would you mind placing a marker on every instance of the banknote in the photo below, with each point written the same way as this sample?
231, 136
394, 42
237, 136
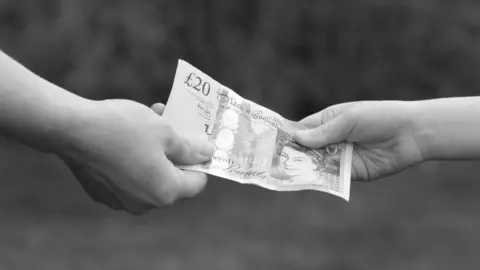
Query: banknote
254, 145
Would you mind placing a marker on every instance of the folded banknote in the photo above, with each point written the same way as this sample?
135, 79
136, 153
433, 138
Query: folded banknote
254, 145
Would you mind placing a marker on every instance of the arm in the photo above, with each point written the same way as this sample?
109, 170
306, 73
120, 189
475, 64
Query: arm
34, 111
449, 128
390, 136
121, 151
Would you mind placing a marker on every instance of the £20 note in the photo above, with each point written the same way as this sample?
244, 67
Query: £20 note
254, 145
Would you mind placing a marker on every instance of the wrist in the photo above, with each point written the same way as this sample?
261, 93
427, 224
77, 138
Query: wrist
449, 128
72, 117
454, 128
36, 112
54, 123
425, 130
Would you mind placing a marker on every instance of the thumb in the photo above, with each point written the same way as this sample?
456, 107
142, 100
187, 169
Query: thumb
336, 130
188, 151
158, 108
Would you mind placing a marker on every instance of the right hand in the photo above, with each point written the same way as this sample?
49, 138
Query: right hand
124, 154
384, 133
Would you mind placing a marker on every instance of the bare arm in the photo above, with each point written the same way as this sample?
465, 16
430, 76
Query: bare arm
35, 111
391, 136
121, 151
449, 128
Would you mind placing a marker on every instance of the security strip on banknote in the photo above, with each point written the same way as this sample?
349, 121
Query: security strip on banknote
254, 145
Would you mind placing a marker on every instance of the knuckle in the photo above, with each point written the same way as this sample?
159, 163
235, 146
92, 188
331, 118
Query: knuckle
328, 131
162, 188
168, 135
167, 196
168, 130
328, 115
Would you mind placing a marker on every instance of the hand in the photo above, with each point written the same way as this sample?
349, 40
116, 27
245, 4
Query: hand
384, 134
123, 155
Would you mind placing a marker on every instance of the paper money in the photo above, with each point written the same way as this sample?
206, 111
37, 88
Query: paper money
254, 145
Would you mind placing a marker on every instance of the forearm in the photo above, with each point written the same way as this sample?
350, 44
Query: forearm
449, 128
33, 110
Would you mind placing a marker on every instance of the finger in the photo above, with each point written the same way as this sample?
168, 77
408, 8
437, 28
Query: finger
188, 151
97, 191
171, 183
327, 114
104, 192
190, 183
319, 118
158, 108
131, 203
336, 130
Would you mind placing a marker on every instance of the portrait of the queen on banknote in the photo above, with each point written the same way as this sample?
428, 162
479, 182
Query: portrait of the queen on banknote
295, 164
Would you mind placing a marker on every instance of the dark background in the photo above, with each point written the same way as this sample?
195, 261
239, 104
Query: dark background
294, 57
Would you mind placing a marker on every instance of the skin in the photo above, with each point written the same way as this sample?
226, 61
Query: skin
391, 136
122, 152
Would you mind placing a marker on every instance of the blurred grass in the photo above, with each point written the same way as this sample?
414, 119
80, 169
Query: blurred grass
424, 218
295, 57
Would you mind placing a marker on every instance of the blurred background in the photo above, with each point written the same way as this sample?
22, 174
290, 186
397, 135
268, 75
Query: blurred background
294, 57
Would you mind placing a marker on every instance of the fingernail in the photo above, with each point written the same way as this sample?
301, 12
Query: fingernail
206, 149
